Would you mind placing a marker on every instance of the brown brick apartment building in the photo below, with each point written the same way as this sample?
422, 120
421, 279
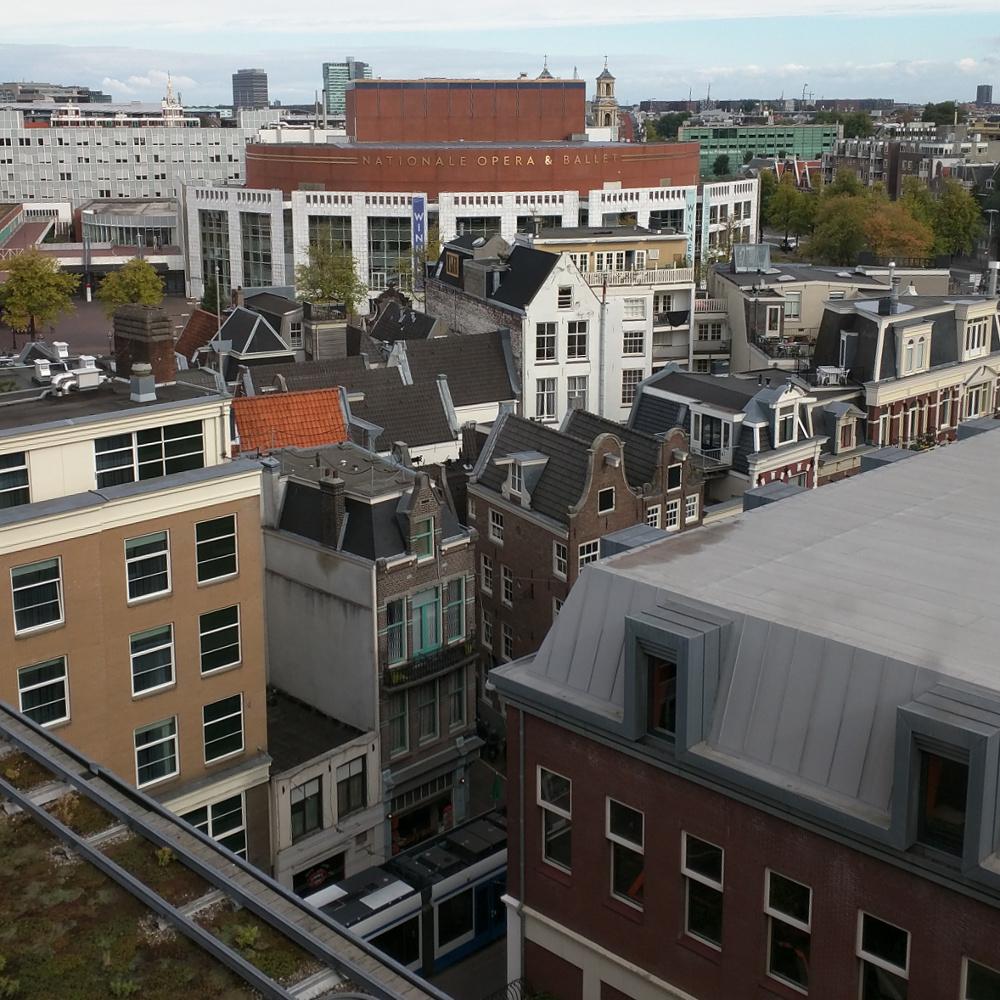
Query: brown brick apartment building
744, 767
133, 602
541, 499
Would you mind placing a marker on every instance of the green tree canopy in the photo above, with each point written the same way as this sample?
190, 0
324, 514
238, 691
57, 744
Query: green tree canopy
957, 220
768, 185
787, 207
721, 165
211, 300
36, 293
666, 126
134, 283
330, 276
943, 113
857, 124
839, 234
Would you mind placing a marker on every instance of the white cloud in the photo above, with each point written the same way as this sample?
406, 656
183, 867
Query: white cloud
68, 20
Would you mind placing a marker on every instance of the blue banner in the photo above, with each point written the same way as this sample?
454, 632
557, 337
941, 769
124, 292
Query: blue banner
419, 224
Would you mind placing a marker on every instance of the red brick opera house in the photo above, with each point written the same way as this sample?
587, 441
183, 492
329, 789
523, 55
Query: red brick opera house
468, 135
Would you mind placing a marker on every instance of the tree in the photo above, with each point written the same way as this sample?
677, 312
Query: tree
957, 220
891, 231
135, 282
839, 234
721, 165
667, 125
211, 299
785, 208
330, 276
768, 185
943, 113
36, 293
846, 182
857, 124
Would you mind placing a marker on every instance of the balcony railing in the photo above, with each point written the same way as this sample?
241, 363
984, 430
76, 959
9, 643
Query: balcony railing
663, 319
777, 348
710, 306
658, 276
711, 459
429, 664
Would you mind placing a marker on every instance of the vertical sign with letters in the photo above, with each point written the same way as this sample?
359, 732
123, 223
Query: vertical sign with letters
419, 240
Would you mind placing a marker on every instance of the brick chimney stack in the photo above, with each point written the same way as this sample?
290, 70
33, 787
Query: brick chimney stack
331, 509
144, 334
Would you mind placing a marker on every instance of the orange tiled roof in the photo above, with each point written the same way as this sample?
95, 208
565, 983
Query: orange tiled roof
200, 329
289, 419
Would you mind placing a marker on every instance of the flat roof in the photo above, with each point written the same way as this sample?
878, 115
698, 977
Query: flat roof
363, 471
106, 400
297, 732
129, 207
896, 561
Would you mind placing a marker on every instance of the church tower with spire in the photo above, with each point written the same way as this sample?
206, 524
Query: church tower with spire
604, 107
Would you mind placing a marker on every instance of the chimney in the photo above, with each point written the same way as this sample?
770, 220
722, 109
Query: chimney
144, 334
331, 509
61, 349
142, 384
991, 283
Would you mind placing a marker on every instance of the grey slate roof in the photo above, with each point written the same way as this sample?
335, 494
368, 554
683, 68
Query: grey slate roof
307, 374
642, 451
269, 302
563, 478
656, 415
250, 333
725, 391
396, 322
476, 366
527, 269
821, 648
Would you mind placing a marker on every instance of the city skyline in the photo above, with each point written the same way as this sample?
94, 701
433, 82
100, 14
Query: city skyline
915, 58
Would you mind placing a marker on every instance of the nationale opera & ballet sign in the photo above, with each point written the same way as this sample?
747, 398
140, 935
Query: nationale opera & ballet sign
471, 159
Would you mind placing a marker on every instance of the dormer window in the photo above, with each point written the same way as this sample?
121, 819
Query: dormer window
784, 424
516, 480
977, 337
944, 784
914, 355
422, 538
662, 696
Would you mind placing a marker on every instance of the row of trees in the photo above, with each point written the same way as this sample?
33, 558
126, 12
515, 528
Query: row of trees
844, 219
37, 292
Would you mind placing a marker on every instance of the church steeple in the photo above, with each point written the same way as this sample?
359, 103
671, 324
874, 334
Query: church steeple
545, 74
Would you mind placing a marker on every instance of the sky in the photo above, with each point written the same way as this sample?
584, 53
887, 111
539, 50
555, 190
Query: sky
913, 50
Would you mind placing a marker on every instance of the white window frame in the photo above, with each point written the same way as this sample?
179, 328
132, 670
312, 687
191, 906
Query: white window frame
202, 633
577, 328
236, 549
587, 552
485, 574
577, 392
634, 308
560, 559
977, 337
173, 737
785, 918
486, 630
564, 297
496, 526
614, 838
546, 343
132, 560
601, 495
966, 961
872, 959
779, 416
169, 644
22, 690
793, 305
506, 640
634, 342
680, 477
19, 463
207, 827
546, 806
52, 623
557, 606
423, 534
773, 326
214, 722
691, 507
690, 874
516, 486
653, 515
672, 515
546, 393
506, 585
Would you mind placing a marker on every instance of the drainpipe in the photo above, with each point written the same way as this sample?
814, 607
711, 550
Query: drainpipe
601, 349
521, 811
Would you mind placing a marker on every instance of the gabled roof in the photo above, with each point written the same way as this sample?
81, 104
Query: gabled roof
289, 419
478, 367
527, 270
724, 391
200, 328
561, 482
396, 322
250, 333
306, 374
642, 451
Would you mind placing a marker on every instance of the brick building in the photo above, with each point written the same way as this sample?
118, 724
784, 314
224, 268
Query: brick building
744, 767
372, 620
540, 501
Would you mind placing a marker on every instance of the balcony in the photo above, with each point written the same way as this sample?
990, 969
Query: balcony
784, 348
679, 319
711, 459
710, 306
659, 276
422, 668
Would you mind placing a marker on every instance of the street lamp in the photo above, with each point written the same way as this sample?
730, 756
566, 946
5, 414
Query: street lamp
989, 239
